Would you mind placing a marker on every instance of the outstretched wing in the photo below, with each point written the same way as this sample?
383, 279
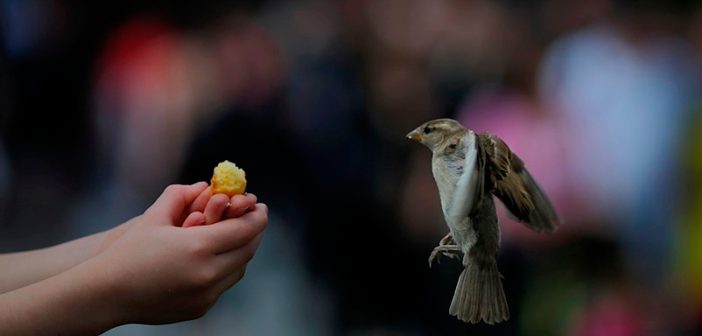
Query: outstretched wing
514, 186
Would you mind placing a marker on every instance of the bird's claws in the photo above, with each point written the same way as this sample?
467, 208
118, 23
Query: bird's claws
451, 251
432, 256
447, 240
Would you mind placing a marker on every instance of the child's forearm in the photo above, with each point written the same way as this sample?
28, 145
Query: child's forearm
36, 265
76, 302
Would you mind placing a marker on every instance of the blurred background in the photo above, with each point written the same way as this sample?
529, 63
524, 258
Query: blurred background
103, 104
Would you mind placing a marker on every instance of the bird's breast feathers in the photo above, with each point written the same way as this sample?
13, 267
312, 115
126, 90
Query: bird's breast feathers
456, 176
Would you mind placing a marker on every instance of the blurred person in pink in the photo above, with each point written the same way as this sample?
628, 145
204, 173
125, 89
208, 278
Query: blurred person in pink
622, 90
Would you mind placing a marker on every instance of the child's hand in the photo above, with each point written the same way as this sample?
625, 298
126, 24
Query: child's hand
205, 209
162, 273
216, 207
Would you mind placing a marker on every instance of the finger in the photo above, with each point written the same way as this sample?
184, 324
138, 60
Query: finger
229, 281
253, 199
175, 199
239, 204
238, 257
194, 219
215, 208
233, 263
232, 233
201, 201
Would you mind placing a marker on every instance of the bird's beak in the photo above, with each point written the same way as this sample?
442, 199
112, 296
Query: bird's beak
415, 135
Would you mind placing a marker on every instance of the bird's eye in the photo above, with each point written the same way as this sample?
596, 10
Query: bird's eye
427, 130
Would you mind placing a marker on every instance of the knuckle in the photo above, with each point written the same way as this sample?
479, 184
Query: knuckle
248, 253
172, 188
219, 198
264, 219
211, 298
205, 278
246, 232
264, 208
261, 218
199, 311
240, 274
199, 247
204, 303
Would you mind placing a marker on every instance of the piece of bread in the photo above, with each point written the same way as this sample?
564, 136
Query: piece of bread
228, 179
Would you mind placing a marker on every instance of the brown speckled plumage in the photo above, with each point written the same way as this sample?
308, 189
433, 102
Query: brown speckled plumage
468, 169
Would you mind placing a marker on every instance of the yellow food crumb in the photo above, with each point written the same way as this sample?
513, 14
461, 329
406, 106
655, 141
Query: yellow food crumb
228, 179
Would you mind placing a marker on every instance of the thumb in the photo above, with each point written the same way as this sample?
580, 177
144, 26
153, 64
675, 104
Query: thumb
175, 199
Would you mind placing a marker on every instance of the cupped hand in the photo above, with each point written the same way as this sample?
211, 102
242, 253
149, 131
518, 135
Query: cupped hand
163, 273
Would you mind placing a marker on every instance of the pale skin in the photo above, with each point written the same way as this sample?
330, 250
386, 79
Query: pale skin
169, 264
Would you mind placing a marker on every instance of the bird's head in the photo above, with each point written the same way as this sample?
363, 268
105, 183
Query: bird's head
434, 132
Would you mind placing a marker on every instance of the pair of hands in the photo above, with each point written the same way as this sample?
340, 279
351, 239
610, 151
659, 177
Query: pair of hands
174, 261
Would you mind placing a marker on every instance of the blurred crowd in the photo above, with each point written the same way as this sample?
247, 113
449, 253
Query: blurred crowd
103, 104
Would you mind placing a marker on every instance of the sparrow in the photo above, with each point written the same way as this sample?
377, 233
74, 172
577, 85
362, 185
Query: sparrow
469, 169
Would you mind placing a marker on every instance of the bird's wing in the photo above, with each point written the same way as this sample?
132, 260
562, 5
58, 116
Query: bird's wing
465, 191
515, 187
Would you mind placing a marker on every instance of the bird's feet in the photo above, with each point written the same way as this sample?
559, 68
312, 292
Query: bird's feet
451, 251
447, 240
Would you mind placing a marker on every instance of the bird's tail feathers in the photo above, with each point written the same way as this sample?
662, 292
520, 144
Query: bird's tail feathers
479, 295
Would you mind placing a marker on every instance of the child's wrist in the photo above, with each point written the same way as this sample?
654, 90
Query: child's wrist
103, 299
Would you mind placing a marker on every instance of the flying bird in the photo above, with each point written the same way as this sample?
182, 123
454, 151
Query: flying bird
468, 169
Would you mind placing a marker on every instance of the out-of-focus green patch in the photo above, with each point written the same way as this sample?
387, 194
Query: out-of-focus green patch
551, 304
